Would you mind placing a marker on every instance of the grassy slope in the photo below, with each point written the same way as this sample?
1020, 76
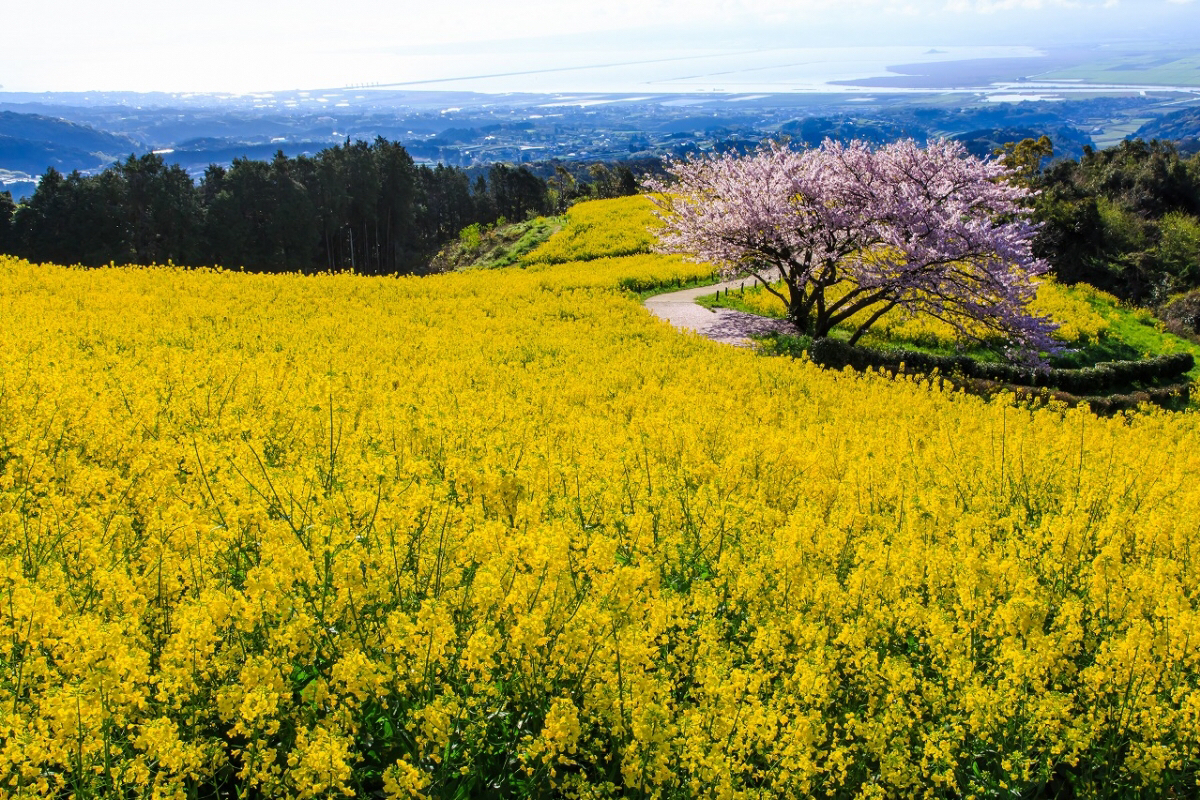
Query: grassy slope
619, 233
600, 228
588, 232
493, 247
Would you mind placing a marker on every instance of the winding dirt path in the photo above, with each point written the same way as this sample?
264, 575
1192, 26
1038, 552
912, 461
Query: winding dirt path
722, 324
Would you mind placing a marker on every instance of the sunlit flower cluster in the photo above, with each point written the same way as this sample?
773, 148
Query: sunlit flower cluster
619, 227
502, 532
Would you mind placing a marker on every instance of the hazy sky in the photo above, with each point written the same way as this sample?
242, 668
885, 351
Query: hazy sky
260, 45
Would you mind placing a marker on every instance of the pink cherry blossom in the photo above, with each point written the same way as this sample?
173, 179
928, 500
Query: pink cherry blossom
930, 230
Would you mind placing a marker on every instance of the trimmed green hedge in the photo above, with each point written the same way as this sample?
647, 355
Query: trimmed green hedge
1101, 379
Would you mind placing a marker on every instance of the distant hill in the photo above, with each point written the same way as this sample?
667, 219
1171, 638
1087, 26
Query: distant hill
31, 142
981, 138
814, 130
705, 124
23, 155
950, 121
196, 154
1068, 141
19, 184
1177, 126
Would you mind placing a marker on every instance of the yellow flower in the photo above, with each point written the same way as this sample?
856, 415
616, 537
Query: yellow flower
311, 535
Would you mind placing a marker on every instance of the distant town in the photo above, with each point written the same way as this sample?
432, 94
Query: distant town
89, 131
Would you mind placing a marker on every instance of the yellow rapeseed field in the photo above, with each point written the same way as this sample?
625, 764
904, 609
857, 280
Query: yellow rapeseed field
503, 533
619, 227
1068, 306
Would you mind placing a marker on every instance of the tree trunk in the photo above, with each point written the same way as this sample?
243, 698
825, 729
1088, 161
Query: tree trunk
800, 311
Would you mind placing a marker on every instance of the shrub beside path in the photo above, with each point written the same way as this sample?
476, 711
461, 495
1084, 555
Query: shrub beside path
721, 324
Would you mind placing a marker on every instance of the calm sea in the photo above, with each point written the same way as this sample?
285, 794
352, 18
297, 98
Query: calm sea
764, 71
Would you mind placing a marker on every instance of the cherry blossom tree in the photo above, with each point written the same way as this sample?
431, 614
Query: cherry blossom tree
856, 232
